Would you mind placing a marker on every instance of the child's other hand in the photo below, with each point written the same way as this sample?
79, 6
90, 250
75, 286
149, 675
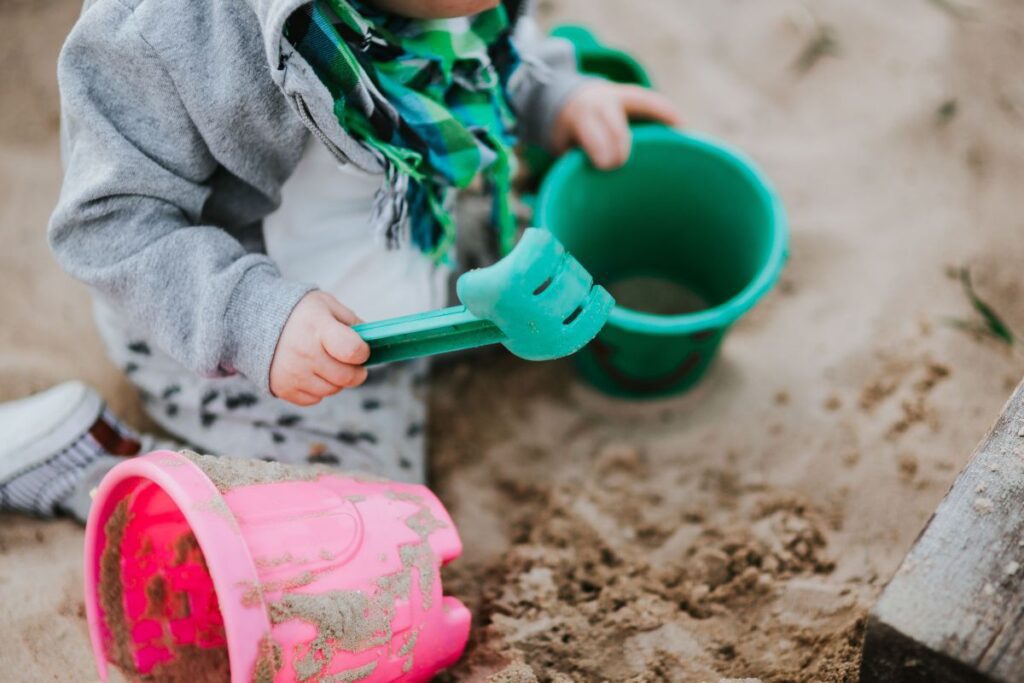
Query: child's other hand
597, 116
318, 354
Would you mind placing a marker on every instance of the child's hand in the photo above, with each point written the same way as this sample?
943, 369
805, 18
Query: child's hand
597, 116
318, 354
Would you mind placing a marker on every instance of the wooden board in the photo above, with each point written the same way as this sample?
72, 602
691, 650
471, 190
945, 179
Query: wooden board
954, 611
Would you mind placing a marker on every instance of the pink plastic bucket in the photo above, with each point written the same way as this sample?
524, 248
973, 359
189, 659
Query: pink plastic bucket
325, 578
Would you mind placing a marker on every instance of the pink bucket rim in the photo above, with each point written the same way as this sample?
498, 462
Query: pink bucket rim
231, 565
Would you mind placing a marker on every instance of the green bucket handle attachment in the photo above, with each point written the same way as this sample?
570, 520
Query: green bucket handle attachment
597, 59
538, 301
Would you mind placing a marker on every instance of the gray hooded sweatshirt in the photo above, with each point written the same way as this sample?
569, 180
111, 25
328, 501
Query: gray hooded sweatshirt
182, 119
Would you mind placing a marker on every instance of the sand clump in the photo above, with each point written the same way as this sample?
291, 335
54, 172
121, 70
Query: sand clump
193, 664
231, 473
572, 603
268, 662
111, 590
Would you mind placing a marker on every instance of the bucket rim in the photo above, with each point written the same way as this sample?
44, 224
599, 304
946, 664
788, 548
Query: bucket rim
721, 315
218, 535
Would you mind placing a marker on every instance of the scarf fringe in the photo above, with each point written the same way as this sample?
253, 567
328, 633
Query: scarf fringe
390, 214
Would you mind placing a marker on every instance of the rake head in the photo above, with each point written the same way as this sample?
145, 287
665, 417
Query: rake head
540, 297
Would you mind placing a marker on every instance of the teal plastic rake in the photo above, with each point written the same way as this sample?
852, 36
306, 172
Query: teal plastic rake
538, 301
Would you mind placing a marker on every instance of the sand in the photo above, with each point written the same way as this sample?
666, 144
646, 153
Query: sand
742, 531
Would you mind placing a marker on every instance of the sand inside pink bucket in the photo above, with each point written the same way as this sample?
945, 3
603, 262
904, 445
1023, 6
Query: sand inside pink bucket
190, 664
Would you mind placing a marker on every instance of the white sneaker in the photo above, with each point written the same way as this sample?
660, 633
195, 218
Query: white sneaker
34, 429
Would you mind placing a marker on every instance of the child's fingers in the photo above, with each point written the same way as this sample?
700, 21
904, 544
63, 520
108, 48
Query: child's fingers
595, 139
339, 374
319, 387
345, 346
357, 377
619, 136
646, 104
301, 398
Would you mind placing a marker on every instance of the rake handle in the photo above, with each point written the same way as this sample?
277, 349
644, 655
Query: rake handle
427, 334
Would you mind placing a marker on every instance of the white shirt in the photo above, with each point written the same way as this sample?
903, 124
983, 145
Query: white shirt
322, 234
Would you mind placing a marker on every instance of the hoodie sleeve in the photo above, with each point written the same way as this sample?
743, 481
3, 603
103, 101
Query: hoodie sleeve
128, 219
543, 83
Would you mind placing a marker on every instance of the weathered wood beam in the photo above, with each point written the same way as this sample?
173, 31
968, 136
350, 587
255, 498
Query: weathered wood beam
954, 611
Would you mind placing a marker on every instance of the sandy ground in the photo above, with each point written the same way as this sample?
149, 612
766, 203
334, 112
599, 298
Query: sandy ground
742, 531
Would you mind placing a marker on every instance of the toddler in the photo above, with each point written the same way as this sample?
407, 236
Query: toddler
248, 179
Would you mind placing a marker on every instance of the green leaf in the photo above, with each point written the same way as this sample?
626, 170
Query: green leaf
994, 324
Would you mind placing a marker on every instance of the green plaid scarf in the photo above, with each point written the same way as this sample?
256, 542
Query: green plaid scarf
429, 97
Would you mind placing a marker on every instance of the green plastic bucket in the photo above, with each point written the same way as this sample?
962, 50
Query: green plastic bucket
687, 236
